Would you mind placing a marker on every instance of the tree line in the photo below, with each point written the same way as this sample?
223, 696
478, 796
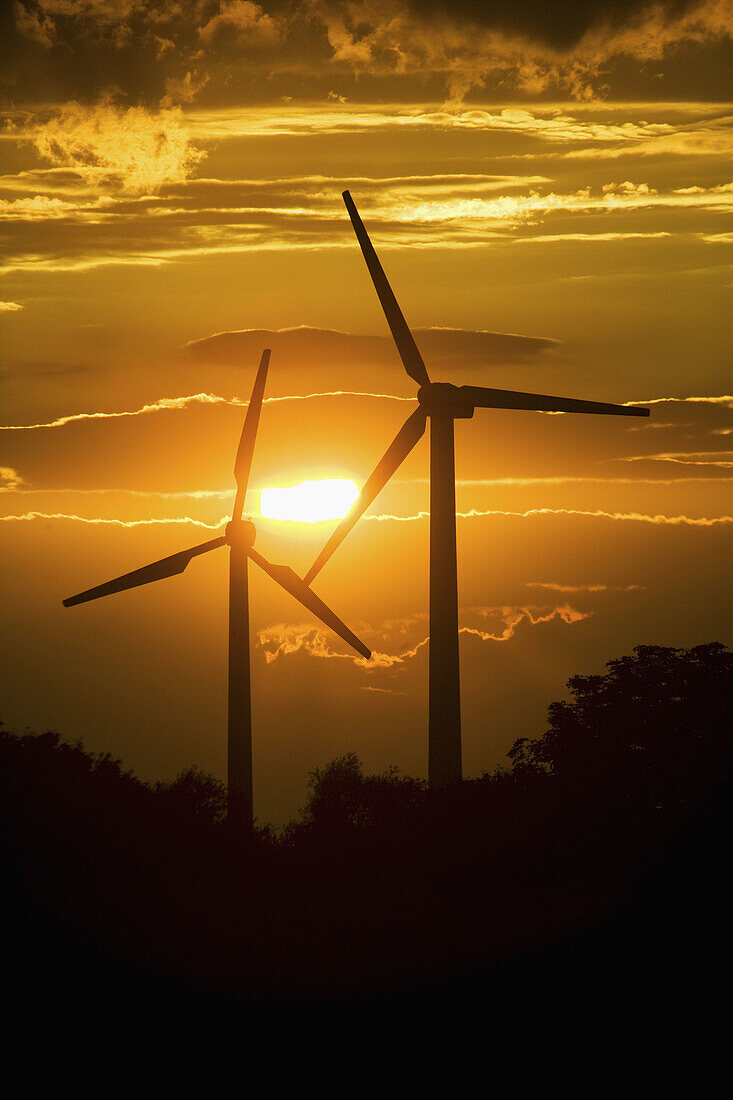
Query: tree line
600, 839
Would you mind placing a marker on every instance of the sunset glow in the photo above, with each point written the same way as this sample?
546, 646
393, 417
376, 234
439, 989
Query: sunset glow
548, 189
310, 501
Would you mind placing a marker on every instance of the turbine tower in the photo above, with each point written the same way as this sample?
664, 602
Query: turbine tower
240, 537
443, 403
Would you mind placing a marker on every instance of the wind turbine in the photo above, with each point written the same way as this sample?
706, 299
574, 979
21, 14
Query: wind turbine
443, 403
240, 536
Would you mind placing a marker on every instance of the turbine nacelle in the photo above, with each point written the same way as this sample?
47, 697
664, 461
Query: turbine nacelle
445, 399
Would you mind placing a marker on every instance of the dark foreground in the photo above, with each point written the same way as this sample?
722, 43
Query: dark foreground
598, 860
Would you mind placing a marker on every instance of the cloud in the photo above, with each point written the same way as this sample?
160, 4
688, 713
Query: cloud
636, 517
688, 458
10, 307
35, 24
169, 404
374, 45
509, 211
134, 147
95, 11
142, 212
528, 47
723, 399
261, 337
156, 494
39, 208
28, 517
165, 404
505, 620
10, 480
589, 125
594, 472
574, 588
283, 640
553, 22
247, 23
303, 346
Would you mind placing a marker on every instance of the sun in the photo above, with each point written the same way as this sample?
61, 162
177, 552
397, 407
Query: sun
310, 501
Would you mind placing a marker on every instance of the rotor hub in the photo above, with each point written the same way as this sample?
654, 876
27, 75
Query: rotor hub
240, 532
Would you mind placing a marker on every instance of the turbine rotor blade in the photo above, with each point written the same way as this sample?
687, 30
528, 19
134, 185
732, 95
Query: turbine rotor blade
245, 451
482, 398
292, 583
401, 334
166, 567
409, 434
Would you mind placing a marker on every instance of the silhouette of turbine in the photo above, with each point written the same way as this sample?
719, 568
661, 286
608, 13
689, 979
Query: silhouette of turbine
443, 403
240, 536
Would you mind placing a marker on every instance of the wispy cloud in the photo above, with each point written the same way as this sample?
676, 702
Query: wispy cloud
474, 513
165, 404
282, 640
636, 517
594, 129
721, 459
722, 399
187, 521
511, 617
169, 404
575, 588
633, 517
199, 218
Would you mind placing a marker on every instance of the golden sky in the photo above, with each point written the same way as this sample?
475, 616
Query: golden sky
549, 187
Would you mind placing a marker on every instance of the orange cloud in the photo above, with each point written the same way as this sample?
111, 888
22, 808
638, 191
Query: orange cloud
10, 480
167, 404
722, 459
463, 46
209, 217
283, 640
134, 147
637, 517
248, 22
471, 46
176, 521
574, 588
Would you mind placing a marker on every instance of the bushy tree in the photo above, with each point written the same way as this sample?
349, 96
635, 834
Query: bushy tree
657, 724
197, 793
342, 797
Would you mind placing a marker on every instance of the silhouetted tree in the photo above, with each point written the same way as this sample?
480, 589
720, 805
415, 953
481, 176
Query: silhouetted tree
613, 814
656, 726
197, 793
341, 796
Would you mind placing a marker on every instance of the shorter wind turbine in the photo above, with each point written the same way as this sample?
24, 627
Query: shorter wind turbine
240, 536
443, 403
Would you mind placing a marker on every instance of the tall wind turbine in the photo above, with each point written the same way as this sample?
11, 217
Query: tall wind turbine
442, 403
240, 536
